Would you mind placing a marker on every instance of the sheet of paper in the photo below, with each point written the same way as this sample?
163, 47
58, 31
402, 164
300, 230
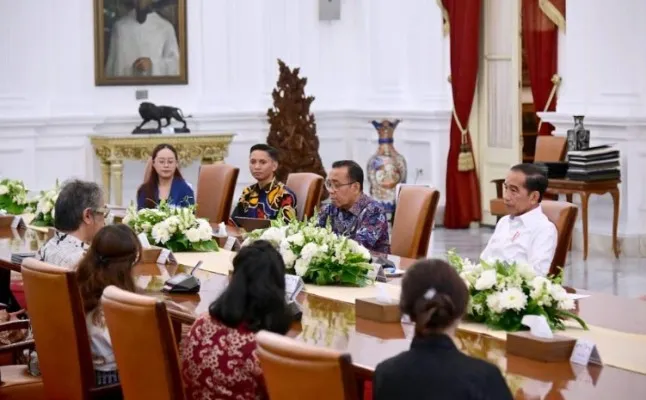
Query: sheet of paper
218, 262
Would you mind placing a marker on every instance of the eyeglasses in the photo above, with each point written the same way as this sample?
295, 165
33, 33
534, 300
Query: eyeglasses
329, 185
169, 162
102, 211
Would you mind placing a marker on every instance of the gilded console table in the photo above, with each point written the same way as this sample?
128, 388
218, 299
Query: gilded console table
113, 150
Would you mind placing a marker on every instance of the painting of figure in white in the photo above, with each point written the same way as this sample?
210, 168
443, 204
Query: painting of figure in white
140, 42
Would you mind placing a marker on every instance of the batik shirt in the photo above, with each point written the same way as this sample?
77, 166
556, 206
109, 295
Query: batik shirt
219, 362
265, 203
63, 250
364, 222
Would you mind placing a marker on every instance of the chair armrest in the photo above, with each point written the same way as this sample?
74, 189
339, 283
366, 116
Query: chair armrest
13, 325
106, 392
498, 183
18, 346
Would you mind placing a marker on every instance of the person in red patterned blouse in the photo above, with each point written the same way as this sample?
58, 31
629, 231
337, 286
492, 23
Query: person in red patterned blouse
218, 354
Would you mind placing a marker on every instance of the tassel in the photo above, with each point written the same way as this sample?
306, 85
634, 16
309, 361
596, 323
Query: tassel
465, 158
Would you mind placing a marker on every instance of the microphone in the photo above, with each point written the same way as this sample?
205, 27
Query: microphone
199, 263
183, 283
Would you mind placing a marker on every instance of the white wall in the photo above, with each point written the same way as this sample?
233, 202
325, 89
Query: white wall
382, 59
603, 79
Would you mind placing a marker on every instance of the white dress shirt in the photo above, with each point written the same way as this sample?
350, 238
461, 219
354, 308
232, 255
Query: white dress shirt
526, 239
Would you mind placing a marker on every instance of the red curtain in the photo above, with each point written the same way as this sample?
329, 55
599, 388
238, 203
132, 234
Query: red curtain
462, 188
540, 40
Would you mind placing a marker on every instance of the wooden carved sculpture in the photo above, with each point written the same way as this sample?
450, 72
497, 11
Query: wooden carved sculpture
292, 128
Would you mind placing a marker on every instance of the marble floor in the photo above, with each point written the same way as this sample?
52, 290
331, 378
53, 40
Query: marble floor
623, 277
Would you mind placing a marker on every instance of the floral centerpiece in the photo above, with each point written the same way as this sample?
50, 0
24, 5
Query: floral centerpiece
13, 197
502, 293
45, 203
317, 254
175, 228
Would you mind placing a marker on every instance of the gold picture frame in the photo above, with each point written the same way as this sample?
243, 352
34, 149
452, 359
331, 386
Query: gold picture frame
122, 57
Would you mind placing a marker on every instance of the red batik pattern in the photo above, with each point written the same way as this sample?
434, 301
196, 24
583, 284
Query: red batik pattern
219, 362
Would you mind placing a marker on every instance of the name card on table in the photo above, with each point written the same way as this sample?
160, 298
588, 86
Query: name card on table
11, 221
585, 352
143, 239
166, 257
293, 286
228, 245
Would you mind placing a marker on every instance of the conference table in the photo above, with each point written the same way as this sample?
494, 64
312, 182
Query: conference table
333, 324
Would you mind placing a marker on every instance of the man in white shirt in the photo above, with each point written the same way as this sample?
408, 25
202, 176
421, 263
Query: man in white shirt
525, 235
142, 43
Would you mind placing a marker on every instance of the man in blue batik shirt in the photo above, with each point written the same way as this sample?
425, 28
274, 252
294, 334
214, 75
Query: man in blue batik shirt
352, 213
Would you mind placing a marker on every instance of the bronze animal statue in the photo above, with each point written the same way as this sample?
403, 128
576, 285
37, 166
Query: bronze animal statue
152, 112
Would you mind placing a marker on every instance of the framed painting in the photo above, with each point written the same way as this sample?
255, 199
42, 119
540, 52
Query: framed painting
140, 42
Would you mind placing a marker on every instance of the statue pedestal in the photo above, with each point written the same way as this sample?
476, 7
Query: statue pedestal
112, 150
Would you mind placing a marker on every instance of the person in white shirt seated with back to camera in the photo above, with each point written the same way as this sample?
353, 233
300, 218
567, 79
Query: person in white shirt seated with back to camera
524, 236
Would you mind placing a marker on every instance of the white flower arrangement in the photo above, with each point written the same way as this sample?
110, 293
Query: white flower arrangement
175, 228
501, 294
13, 197
45, 205
317, 254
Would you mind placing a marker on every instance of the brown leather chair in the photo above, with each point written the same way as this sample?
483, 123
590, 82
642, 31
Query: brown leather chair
58, 324
548, 149
147, 356
413, 221
295, 370
307, 187
215, 186
563, 216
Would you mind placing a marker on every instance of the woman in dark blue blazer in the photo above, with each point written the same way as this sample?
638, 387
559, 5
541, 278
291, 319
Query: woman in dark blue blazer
435, 298
165, 181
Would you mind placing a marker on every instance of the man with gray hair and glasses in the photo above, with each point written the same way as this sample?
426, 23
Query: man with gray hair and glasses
79, 213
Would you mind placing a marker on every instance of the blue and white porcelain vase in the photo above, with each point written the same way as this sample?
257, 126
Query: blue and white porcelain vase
387, 168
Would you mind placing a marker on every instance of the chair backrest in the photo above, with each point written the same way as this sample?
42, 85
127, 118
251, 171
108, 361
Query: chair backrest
314, 372
550, 148
144, 345
60, 332
563, 215
414, 217
307, 187
215, 186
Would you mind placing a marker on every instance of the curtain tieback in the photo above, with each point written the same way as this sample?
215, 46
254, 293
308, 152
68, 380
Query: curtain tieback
556, 82
465, 158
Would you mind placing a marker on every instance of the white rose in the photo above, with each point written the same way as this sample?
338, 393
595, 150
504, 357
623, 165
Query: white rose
273, 235
46, 207
309, 251
558, 293
465, 278
146, 226
3, 190
526, 271
288, 257
567, 304
160, 233
486, 280
206, 232
301, 267
493, 303
193, 235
